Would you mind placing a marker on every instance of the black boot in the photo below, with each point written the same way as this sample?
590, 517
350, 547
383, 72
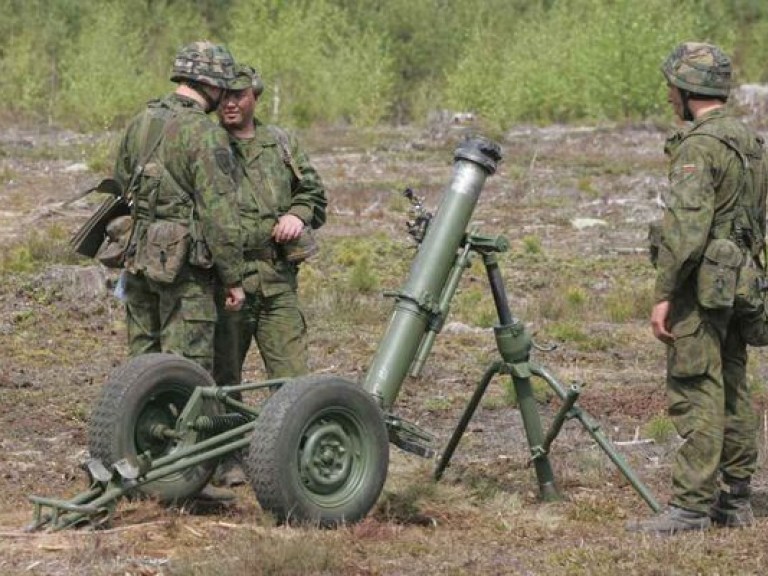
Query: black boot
732, 507
230, 471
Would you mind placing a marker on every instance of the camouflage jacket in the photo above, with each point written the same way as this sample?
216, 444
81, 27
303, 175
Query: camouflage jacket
196, 173
269, 188
705, 177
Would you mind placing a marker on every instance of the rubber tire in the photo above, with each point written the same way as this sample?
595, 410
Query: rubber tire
317, 411
154, 387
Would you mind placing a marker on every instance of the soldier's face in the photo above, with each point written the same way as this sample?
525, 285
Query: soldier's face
675, 99
236, 109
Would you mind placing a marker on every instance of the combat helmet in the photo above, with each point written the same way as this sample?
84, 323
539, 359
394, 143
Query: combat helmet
246, 76
204, 62
699, 68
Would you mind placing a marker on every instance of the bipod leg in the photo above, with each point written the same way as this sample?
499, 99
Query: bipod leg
514, 344
534, 433
594, 430
469, 411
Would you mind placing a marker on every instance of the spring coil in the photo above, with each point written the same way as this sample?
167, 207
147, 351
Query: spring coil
219, 423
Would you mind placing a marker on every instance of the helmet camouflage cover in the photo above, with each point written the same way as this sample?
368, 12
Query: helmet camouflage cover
246, 76
699, 68
204, 62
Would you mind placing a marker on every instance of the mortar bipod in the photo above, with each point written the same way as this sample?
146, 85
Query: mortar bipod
514, 344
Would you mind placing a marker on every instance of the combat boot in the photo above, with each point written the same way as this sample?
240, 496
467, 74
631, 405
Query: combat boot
211, 493
672, 521
732, 508
229, 472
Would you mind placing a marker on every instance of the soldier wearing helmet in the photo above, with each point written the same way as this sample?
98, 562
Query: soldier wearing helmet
710, 256
176, 168
282, 199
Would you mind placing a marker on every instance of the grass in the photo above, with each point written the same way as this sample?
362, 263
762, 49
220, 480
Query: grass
38, 250
660, 429
484, 516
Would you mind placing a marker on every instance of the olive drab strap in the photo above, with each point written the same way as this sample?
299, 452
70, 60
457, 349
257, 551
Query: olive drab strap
285, 149
743, 224
152, 131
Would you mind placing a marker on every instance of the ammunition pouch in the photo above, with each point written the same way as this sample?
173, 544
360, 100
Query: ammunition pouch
298, 250
164, 251
750, 290
718, 274
114, 250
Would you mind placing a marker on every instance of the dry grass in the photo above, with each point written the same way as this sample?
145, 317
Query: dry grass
584, 290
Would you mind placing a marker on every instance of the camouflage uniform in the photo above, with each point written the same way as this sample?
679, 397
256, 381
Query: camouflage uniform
188, 179
271, 315
709, 399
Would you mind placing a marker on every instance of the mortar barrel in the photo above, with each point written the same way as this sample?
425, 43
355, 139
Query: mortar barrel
474, 160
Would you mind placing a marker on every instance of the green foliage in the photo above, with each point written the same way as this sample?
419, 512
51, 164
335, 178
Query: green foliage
363, 279
625, 303
474, 306
113, 69
90, 63
39, 249
317, 66
660, 428
559, 66
532, 244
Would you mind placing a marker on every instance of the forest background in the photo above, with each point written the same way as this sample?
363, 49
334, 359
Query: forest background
90, 64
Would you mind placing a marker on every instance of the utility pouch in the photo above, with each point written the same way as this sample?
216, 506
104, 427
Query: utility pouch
113, 251
718, 274
750, 290
298, 250
166, 249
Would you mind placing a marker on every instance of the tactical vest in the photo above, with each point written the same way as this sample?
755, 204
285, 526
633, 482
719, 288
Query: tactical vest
745, 224
161, 251
258, 211
152, 182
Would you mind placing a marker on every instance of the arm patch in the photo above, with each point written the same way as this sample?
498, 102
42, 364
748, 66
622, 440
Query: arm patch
224, 160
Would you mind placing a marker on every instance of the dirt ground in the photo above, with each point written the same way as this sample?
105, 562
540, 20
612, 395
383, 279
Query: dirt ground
574, 204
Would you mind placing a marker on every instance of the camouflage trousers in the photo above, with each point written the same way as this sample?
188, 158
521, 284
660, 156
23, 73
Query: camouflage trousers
275, 323
179, 318
709, 404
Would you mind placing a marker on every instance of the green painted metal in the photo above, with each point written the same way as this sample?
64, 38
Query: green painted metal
333, 447
594, 429
333, 457
418, 303
514, 344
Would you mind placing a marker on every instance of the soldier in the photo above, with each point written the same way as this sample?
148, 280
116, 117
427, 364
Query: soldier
281, 199
713, 231
177, 169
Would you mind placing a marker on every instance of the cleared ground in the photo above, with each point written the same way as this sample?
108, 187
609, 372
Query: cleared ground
574, 204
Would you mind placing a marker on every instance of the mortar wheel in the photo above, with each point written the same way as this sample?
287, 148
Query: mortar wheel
319, 452
147, 391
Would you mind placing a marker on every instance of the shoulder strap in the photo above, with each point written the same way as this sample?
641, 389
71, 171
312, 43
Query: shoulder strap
151, 134
285, 149
742, 219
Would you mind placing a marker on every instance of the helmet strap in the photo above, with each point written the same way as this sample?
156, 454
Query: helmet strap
687, 114
212, 103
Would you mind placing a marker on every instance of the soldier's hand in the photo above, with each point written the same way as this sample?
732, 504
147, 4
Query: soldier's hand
660, 322
235, 298
288, 227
